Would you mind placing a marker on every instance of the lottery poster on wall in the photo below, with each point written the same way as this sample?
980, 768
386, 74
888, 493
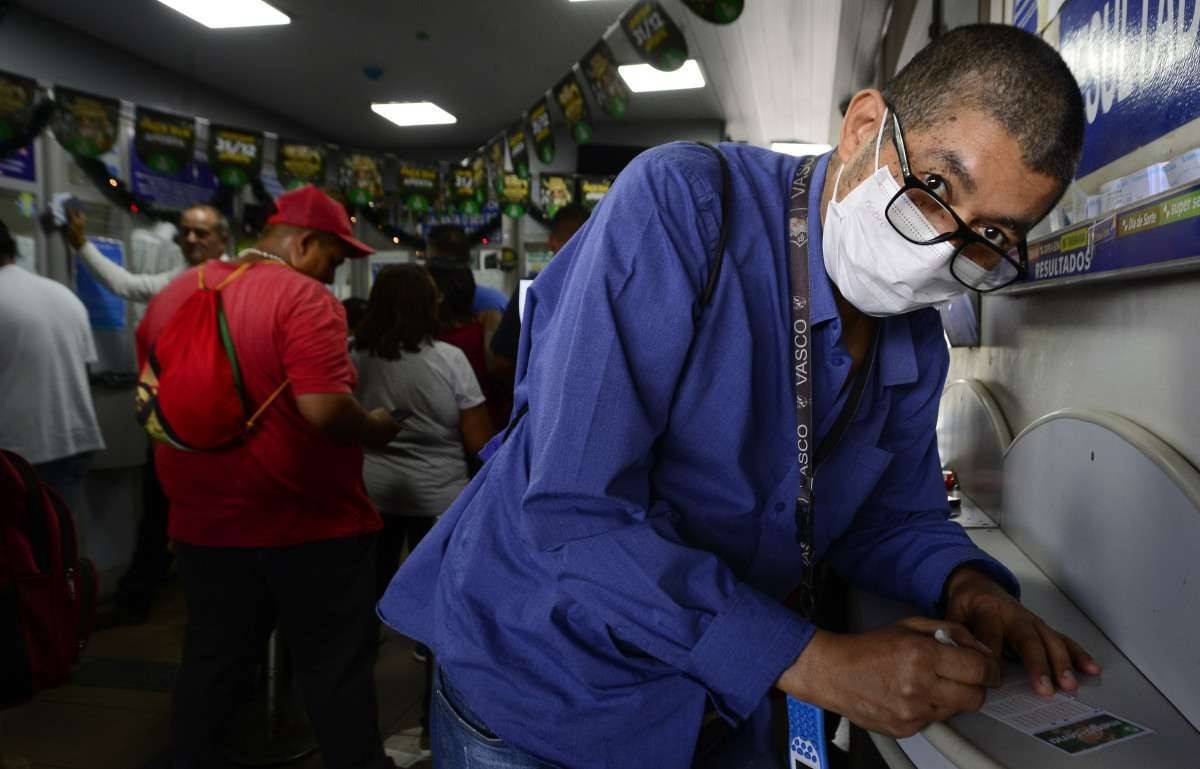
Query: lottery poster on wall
592, 190
17, 95
234, 154
554, 192
517, 151
719, 11
574, 107
418, 186
163, 162
85, 124
607, 88
542, 131
20, 164
360, 178
514, 196
298, 164
654, 36
479, 172
495, 161
463, 180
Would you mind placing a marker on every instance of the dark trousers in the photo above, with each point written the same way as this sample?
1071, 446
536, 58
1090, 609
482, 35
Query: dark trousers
321, 594
398, 531
151, 558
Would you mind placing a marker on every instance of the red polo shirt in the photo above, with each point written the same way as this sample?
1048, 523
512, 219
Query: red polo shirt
287, 483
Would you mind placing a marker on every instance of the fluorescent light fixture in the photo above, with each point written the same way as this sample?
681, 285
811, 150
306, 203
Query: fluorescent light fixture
410, 113
225, 14
800, 148
642, 78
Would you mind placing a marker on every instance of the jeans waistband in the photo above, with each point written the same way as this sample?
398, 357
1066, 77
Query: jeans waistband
459, 703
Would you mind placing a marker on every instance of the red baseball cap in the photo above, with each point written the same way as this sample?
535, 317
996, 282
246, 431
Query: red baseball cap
312, 209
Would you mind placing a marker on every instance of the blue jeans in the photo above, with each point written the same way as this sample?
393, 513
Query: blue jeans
67, 476
460, 740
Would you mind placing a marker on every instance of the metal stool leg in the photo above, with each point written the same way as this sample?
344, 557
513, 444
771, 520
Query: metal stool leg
272, 728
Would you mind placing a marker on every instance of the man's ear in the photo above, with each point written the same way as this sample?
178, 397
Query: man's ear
861, 123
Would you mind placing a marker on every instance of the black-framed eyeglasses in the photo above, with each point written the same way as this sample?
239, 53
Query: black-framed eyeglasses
978, 263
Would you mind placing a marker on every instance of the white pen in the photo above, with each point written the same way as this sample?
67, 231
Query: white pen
941, 636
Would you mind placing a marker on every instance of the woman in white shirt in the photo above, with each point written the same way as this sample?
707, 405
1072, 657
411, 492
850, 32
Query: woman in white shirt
430, 387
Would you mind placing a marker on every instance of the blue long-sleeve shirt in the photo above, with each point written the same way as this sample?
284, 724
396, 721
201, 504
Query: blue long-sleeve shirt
622, 558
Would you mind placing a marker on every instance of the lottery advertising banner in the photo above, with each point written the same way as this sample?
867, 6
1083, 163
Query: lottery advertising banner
554, 192
574, 107
418, 186
724, 11
299, 163
542, 131
464, 190
654, 36
517, 151
84, 124
234, 154
163, 161
17, 96
514, 196
592, 189
608, 89
360, 178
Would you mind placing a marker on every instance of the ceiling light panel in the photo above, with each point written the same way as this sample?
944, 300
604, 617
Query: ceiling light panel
642, 78
227, 14
413, 113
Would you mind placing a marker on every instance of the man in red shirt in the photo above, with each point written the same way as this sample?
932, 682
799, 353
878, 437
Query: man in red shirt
279, 529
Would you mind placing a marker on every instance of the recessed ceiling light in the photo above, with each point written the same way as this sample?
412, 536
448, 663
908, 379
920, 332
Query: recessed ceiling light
642, 78
410, 113
225, 14
800, 148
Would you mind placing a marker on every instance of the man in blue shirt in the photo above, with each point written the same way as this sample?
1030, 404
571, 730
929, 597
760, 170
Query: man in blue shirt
616, 575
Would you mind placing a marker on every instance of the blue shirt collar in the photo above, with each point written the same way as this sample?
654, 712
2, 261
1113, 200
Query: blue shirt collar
897, 356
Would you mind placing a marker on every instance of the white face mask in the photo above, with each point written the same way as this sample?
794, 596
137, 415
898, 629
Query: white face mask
873, 266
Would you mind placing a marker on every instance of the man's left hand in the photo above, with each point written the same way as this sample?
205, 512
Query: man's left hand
996, 618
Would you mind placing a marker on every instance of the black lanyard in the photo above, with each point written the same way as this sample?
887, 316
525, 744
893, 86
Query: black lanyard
802, 373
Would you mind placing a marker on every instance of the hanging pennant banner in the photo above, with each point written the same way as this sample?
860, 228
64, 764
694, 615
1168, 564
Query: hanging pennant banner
654, 36
517, 151
592, 189
717, 11
163, 142
541, 130
554, 192
464, 190
84, 124
570, 99
418, 186
495, 162
479, 173
234, 154
298, 164
17, 95
608, 89
360, 178
515, 195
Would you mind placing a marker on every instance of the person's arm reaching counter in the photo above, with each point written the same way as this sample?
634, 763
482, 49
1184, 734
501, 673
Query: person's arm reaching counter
125, 284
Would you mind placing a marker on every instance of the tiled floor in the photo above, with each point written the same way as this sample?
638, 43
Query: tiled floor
114, 715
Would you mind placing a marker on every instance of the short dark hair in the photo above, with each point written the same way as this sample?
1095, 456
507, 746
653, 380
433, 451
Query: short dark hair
401, 313
1013, 76
356, 310
457, 285
8, 246
448, 245
568, 219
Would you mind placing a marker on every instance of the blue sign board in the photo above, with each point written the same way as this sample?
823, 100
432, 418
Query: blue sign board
1025, 15
193, 185
19, 165
1162, 230
104, 308
1138, 66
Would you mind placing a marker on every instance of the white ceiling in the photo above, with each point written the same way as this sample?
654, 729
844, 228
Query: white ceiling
771, 74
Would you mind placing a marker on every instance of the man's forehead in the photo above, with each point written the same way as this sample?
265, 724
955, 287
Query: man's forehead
199, 216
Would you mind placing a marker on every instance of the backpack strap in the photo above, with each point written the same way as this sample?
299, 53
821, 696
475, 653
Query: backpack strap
254, 418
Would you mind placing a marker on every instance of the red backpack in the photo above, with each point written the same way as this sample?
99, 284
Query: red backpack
47, 592
190, 391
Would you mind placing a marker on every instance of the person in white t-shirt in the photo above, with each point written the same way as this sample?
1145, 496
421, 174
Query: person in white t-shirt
46, 410
203, 234
430, 388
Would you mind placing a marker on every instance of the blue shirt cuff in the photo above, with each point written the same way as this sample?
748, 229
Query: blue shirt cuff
936, 570
746, 648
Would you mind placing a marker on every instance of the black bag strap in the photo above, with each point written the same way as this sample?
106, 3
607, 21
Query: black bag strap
851, 408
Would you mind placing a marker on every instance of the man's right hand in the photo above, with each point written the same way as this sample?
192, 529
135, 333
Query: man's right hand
895, 680
381, 428
76, 231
